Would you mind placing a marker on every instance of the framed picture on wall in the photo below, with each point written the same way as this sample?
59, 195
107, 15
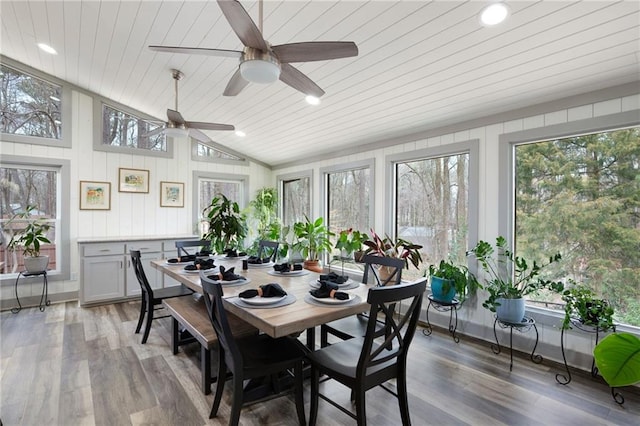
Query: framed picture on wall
171, 194
133, 180
95, 195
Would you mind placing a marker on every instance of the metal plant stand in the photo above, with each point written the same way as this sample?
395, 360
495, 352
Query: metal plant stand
44, 299
566, 379
524, 326
451, 307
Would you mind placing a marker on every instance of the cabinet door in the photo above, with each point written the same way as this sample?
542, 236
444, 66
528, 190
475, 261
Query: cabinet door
153, 276
102, 278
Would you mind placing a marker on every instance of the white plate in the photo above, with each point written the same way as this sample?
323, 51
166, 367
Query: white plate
197, 271
225, 257
347, 283
178, 263
288, 274
330, 301
246, 280
263, 300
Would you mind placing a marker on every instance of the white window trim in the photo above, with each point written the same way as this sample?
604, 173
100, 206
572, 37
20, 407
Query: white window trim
197, 175
281, 179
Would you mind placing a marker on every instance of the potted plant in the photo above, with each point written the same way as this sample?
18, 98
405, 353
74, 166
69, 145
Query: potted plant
581, 304
510, 278
398, 248
262, 218
313, 241
448, 279
227, 226
617, 357
29, 239
350, 241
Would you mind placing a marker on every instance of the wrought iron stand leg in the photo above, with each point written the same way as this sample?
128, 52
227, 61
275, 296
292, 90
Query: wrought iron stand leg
617, 397
594, 368
511, 348
561, 378
19, 308
428, 330
45, 294
452, 329
495, 347
537, 359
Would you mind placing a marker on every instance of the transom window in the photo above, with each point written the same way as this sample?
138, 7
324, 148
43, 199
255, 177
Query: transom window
209, 152
121, 129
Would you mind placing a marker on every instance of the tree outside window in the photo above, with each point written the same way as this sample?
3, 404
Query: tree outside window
296, 200
126, 130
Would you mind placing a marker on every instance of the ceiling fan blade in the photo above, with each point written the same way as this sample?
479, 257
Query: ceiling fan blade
242, 24
315, 51
235, 85
153, 132
199, 136
197, 51
299, 81
175, 116
209, 126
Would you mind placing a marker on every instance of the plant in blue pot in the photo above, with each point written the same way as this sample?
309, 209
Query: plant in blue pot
510, 278
448, 280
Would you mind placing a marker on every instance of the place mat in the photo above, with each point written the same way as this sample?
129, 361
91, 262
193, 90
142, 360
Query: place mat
311, 301
284, 302
288, 274
234, 283
351, 284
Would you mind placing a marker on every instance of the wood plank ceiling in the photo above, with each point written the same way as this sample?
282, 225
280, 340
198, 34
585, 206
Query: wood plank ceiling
421, 64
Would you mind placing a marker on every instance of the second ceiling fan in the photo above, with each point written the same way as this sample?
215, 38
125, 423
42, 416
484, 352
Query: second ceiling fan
262, 63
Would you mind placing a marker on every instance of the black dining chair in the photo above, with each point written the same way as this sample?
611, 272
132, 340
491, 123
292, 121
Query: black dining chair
249, 357
356, 325
181, 246
365, 362
268, 249
151, 298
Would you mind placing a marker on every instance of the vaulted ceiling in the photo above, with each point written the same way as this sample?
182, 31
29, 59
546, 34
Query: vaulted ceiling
421, 64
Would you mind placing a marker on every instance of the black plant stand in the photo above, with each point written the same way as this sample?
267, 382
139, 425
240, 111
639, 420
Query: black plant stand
524, 326
451, 307
44, 299
566, 379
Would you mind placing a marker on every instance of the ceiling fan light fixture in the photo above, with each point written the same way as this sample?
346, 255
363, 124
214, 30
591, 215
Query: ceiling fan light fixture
260, 71
176, 132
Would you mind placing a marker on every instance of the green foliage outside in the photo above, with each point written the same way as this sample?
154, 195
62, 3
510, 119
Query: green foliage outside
581, 196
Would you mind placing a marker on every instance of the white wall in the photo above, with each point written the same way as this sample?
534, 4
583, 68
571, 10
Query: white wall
473, 319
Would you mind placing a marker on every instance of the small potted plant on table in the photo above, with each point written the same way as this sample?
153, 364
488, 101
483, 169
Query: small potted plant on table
29, 239
449, 280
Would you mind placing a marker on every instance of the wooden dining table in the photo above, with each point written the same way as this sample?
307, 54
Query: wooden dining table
281, 321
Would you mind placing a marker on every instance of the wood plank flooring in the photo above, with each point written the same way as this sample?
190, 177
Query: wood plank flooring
79, 366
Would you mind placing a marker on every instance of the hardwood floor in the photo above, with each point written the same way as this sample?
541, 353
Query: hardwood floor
75, 366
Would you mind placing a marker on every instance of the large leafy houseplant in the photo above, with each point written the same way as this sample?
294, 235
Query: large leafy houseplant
29, 238
453, 277
510, 276
618, 359
398, 248
582, 304
227, 226
313, 238
350, 240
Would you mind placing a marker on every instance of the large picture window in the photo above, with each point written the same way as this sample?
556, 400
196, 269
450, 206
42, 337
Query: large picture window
209, 185
29, 106
580, 196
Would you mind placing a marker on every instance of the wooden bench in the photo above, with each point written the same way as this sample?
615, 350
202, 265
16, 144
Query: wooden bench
192, 315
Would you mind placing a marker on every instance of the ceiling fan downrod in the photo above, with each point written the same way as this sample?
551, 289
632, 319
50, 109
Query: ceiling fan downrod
177, 76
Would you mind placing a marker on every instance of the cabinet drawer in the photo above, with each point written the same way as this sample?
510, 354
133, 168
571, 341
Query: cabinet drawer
105, 249
145, 246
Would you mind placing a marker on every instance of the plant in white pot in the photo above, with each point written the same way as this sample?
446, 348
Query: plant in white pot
510, 278
29, 238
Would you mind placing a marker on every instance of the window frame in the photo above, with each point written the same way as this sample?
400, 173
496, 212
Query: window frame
506, 175
243, 161
281, 179
65, 109
470, 147
98, 103
198, 174
63, 207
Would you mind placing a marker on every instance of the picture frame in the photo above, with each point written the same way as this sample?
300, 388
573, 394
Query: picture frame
133, 180
171, 194
95, 195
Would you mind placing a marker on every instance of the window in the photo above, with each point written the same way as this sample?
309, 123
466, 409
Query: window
216, 153
43, 183
128, 131
208, 185
30, 106
580, 195
296, 199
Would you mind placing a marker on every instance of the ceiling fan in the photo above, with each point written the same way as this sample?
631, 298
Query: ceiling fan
177, 126
262, 63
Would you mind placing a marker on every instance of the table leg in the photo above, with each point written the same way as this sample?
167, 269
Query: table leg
561, 378
19, 308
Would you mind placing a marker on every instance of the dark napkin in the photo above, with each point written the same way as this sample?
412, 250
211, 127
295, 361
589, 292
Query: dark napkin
325, 289
334, 278
200, 264
226, 275
234, 253
268, 290
255, 260
287, 267
187, 258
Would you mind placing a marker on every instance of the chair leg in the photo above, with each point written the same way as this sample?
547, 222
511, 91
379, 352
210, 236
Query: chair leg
315, 390
143, 308
236, 403
220, 379
148, 321
299, 393
324, 336
361, 412
403, 402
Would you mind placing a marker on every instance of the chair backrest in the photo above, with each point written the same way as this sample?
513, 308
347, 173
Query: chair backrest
139, 270
373, 265
268, 249
212, 294
181, 245
394, 344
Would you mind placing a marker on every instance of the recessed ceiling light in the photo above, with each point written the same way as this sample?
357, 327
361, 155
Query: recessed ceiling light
494, 14
46, 48
312, 100
240, 133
